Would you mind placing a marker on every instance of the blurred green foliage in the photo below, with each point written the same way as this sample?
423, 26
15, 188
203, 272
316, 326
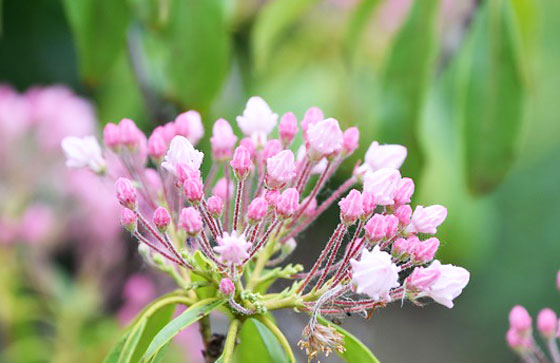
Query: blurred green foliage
480, 118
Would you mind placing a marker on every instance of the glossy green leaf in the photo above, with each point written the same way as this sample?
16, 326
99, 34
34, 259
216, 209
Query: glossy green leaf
405, 78
494, 100
197, 43
257, 343
175, 326
132, 339
159, 354
356, 351
358, 21
207, 291
154, 324
273, 23
99, 29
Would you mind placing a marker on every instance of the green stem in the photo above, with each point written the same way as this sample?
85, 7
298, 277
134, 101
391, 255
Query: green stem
261, 263
278, 334
230, 340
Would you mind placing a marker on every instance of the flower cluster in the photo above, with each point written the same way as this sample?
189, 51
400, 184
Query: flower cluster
520, 334
233, 226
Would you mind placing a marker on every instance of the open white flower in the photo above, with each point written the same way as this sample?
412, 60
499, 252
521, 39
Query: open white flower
257, 120
375, 274
181, 151
450, 283
83, 152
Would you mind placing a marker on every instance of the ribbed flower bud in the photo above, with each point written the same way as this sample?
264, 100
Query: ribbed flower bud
128, 220
241, 162
288, 128
257, 210
288, 203
161, 219
190, 220
351, 207
126, 193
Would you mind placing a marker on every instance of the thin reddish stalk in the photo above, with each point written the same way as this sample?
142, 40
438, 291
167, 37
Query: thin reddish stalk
160, 251
238, 197
332, 256
337, 277
262, 241
226, 202
313, 194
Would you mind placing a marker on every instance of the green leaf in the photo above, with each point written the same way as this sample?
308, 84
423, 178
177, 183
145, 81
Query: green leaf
272, 24
358, 21
115, 352
356, 351
197, 43
495, 97
154, 324
405, 79
99, 30
131, 342
257, 343
207, 291
159, 354
188, 317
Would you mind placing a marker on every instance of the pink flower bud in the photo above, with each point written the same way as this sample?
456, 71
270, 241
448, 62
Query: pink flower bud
412, 244
288, 128
126, 193
215, 206
241, 162
351, 207
517, 341
400, 248
130, 135
403, 191
222, 189
161, 219
168, 132
546, 323
519, 319
227, 288
194, 190
191, 221
257, 210
426, 219
311, 207
111, 136
425, 251
272, 197
403, 214
311, 117
375, 228
156, 146
185, 172
350, 140
382, 184
248, 144
189, 125
280, 169
368, 203
391, 225
421, 279
223, 140
324, 138
288, 203
128, 220
272, 148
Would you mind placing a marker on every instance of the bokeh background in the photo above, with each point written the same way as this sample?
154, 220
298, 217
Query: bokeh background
470, 87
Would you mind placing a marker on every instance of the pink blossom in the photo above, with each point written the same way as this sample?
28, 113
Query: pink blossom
181, 151
190, 220
130, 135
422, 279
257, 209
546, 323
519, 319
311, 117
382, 184
161, 219
287, 129
248, 144
37, 223
425, 251
350, 141
280, 169
111, 136
368, 203
223, 140
384, 156
156, 146
272, 148
185, 172
257, 120
517, 341
223, 190
82, 152
426, 219
403, 213
449, 285
272, 196
194, 190
375, 274
400, 247
325, 139
351, 207
404, 191
288, 203
189, 125
215, 206
126, 193
232, 247
376, 227
227, 288
241, 162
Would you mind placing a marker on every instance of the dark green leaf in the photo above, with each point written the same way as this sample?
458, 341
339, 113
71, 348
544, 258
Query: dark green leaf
356, 351
495, 96
257, 343
188, 317
99, 29
272, 23
154, 324
405, 78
